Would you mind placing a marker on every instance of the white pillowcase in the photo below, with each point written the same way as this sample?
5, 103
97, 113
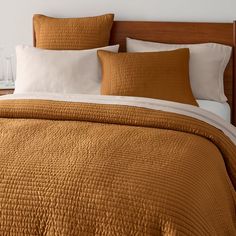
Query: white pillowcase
207, 65
52, 71
221, 109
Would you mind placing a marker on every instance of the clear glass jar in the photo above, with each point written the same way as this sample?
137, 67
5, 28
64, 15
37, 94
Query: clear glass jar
9, 70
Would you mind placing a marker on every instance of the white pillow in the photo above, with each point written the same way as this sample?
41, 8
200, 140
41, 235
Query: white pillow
52, 71
207, 65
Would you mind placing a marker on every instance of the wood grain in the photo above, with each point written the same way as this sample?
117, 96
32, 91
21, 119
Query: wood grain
6, 91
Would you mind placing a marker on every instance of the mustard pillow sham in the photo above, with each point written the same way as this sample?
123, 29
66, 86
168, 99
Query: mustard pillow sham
72, 33
160, 75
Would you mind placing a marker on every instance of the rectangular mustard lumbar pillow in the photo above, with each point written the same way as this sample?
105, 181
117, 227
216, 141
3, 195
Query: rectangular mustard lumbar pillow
72, 33
160, 75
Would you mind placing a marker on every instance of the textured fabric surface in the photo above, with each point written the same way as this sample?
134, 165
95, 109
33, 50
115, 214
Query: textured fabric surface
161, 75
72, 33
89, 169
58, 71
199, 113
206, 67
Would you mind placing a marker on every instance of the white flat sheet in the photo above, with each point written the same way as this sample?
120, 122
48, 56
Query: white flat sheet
156, 104
221, 109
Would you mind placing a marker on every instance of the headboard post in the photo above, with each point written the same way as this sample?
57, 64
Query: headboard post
234, 75
34, 36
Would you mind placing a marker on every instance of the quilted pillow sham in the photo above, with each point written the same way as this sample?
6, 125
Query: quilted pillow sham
160, 75
52, 71
72, 33
207, 65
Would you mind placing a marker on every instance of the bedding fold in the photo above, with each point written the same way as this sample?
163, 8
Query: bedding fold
70, 168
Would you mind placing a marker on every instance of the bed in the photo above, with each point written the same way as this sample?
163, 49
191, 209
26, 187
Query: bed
120, 165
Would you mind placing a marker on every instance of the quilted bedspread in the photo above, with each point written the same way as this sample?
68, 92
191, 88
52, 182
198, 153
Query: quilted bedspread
90, 169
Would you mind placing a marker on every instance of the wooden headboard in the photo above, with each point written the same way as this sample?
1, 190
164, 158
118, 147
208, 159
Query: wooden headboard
184, 32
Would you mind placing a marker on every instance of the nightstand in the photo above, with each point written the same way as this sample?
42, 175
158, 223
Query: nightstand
6, 91
6, 88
